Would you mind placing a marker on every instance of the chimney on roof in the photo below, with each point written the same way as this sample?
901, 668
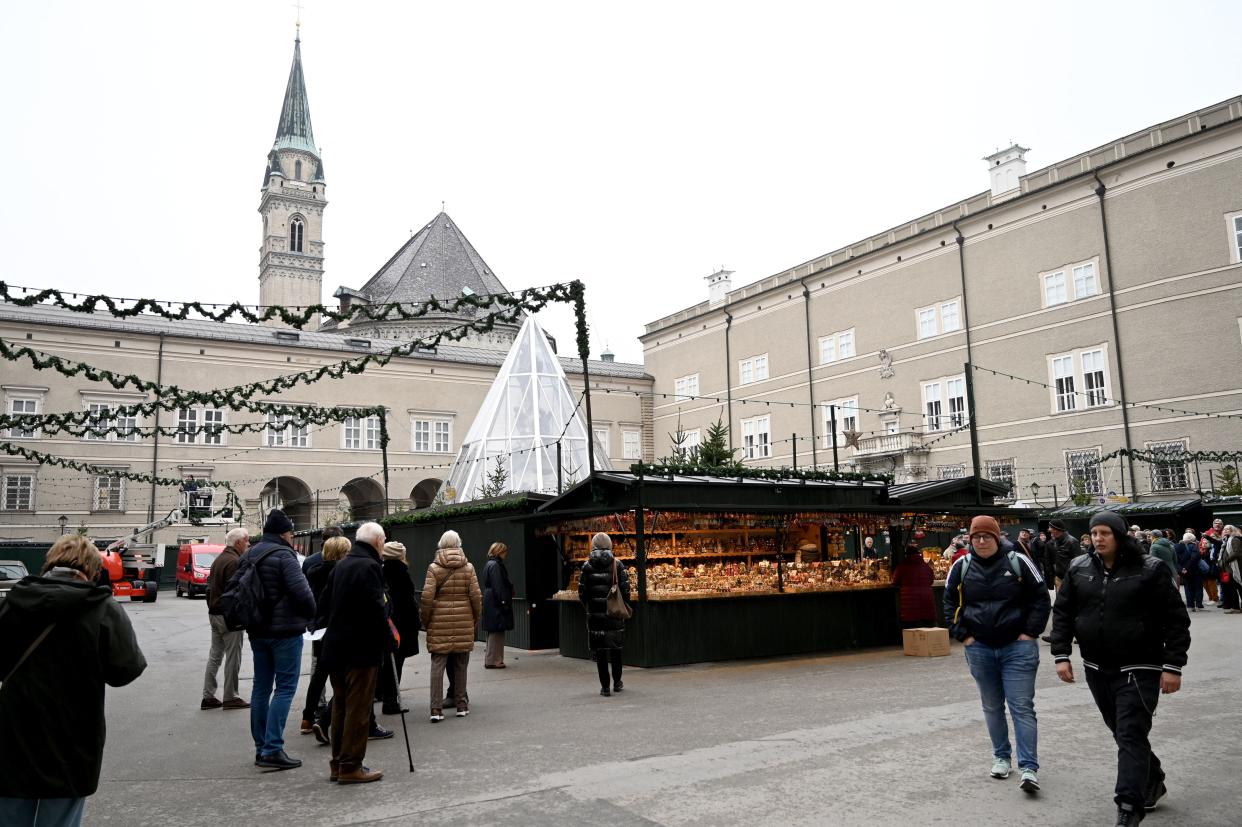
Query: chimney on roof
719, 284
1007, 166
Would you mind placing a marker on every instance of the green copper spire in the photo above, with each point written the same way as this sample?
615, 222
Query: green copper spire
294, 130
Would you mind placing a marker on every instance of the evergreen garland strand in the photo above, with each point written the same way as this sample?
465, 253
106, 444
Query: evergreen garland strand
103, 471
776, 474
102, 430
1171, 456
294, 317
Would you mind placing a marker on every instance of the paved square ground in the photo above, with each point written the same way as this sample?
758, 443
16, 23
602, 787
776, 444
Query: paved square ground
869, 738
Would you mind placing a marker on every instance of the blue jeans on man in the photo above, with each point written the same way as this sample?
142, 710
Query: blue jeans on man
42, 812
276, 661
1006, 674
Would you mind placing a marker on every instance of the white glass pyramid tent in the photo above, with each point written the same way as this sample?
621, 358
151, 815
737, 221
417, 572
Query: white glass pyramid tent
528, 409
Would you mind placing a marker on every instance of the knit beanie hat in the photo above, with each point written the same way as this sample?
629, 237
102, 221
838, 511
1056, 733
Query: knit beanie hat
1113, 521
277, 522
601, 540
984, 524
393, 551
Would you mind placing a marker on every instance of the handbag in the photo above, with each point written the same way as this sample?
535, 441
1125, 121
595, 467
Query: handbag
616, 607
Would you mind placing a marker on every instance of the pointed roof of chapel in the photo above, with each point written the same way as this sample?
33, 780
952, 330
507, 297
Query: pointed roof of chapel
294, 129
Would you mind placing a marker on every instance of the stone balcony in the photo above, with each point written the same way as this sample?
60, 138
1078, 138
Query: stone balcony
883, 445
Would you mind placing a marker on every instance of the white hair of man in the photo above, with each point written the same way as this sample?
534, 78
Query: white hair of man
235, 536
370, 533
449, 539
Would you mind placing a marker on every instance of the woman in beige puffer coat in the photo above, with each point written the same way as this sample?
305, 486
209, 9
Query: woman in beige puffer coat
452, 605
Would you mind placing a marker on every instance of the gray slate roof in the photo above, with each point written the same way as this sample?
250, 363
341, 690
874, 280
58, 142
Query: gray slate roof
294, 128
262, 335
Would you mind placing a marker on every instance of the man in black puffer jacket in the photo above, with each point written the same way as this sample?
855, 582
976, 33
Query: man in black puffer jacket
276, 642
1133, 645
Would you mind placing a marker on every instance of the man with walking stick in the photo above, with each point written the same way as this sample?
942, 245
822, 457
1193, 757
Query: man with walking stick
354, 613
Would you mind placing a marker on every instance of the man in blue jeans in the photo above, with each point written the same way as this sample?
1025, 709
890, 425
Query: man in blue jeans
997, 605
276, 642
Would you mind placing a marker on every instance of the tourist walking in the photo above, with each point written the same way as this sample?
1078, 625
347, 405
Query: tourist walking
403, 611
605, 634
354, 614
62, 639
1231, 570
497, 605
276, 640
317, 713
913, 579
1192, 567
451, 607
997, 606
225, 645
1064, 548
1133, 631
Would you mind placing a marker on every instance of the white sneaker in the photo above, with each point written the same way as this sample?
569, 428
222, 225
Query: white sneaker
461, 713
1001, 767
436, 717
1030, 782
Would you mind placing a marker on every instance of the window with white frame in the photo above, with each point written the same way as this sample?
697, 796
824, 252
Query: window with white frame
754, 369
361, 433
693, 439
601, 437
1078, 380
950, 472
103, 416
187, 426
213, 426
942, 317
932, 406
431, 436
944, 403
23, 406
955, 395
109, 493
281, 432
1070, 283
686, 386
1082, 470
1169, 474
1002, 471
834, 346
18, 493
846, 411
757, 437
631, 444
1237, 237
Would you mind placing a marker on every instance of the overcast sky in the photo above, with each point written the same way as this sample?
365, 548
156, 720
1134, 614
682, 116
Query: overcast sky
638, 146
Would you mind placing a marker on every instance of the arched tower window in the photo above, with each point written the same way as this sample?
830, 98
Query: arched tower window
296, 229
297, 170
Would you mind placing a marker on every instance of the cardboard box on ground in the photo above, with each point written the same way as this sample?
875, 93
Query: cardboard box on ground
925, 643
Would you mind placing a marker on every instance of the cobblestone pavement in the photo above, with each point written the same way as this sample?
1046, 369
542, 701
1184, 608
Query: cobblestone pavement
869, 738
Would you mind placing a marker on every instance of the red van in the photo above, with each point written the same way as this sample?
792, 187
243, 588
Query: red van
193, 565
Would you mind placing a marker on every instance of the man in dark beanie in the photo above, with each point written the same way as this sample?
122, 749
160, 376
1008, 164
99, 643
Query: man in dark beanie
276, 642
1133, 647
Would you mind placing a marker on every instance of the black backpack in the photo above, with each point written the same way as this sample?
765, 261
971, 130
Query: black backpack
242, 604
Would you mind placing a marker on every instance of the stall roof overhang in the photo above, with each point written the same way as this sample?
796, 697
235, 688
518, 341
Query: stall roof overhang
1225, 507
960, 491
1151, 508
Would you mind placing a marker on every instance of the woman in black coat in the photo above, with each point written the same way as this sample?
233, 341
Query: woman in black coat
403, 611
605, 635
1192, 574
317, 714
497, 605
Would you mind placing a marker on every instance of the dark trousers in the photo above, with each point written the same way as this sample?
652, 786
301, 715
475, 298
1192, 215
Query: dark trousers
318, 680
1127, 701
1193, 587
1230, 594
352, 693
602, 658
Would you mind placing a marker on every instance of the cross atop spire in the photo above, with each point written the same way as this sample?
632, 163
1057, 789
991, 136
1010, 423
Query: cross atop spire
294, 129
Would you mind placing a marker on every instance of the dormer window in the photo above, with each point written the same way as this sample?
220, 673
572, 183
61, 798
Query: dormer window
296, 230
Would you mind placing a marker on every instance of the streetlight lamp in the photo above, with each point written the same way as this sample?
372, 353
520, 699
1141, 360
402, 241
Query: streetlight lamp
1035, 492
63, 520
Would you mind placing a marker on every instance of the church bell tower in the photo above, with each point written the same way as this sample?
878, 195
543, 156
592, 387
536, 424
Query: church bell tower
291, 257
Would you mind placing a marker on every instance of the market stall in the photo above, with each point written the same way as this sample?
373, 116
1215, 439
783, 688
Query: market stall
738, 567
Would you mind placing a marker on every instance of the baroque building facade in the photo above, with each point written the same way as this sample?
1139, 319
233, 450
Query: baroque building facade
1107, 284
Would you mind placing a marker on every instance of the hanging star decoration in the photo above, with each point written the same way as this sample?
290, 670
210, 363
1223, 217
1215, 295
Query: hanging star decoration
851, 438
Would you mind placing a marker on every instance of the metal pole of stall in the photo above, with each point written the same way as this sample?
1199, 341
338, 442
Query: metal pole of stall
384, 454
832, 423
795, 452
560, 477
640, 538
974, 432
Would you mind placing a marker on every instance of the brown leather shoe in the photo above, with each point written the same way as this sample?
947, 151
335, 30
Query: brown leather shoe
362, 775
210, 703
236, 703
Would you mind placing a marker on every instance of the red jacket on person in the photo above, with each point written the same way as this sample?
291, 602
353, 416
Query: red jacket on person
913, 577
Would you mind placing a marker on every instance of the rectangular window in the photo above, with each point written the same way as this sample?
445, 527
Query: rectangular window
1001, 471
1093, 378
950, 472
23, 407
1084, 281
442, 442
187, 426
361, 433
949, 318
18, 494
1237, 235
754, 369
631, 445
845, 343
931, 406
98, 418
109, 494
693, 439
1054, 288
282, 433
353, 433
431, 436
422, 436
757, 437
927, 322
1083, 471
839, 345
847, 420
686, 386
102, 416
955, 389
213, 426
1063, 383
601, 439
827, 349
1169, 474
